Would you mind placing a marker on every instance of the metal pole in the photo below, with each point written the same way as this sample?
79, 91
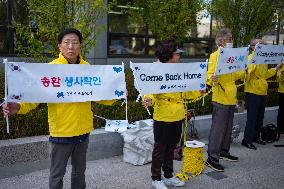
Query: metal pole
5, 61
210, 35
278, 29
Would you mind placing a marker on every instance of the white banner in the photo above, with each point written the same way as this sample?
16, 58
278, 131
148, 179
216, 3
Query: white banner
268, 54
231, 60
155, 78
55, 83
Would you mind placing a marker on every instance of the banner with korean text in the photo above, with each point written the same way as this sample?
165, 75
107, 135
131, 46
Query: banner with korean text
231, 60
55, 83
268, 54
155, 78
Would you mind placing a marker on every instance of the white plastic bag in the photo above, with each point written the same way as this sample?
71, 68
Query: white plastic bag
138, 143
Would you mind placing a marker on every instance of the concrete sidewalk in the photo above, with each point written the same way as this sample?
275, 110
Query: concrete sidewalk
260, 169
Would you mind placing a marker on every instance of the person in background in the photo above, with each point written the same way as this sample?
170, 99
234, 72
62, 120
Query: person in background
69, 123
169, 113
256, 91
280, 116
224, 101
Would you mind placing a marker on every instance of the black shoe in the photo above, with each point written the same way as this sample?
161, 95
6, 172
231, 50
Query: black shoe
259, 141
248, 145
215, 166
229, 158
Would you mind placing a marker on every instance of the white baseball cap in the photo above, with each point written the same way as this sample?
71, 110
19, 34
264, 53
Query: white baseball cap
179, 51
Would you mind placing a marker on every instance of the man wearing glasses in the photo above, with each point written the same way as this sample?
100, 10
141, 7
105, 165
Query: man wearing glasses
69, 123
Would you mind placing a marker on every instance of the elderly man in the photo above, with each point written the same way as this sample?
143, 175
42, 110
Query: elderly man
224, 102
69, 123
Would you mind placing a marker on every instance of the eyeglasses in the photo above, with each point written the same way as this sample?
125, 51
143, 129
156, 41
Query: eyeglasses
73, 43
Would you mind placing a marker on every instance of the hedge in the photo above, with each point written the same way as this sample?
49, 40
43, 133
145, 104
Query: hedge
35, 123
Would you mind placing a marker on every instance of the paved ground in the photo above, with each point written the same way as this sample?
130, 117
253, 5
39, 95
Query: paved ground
260, 169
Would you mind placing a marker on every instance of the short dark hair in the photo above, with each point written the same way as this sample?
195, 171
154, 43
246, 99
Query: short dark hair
166, 49
69, 31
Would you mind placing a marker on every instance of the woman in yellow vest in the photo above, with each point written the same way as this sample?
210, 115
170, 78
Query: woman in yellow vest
169, 112
256, 90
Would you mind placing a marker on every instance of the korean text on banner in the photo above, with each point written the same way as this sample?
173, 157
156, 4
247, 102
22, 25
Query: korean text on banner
56, 83
170, 77
268, 54
231, 60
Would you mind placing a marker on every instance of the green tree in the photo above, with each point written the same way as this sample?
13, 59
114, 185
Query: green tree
37, 35
3, 12
166, 18
246, 18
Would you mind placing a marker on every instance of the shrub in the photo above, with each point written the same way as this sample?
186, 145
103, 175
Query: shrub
135, 112
31, 124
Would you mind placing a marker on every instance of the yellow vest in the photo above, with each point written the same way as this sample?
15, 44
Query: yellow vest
170, 107
224, 89
280, 78
67, 119
256, 78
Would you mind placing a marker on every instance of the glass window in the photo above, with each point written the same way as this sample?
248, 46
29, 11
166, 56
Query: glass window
128, 37
198, 48
3, 42
3, 12
127, 45
271, 35
151, 46
120, 22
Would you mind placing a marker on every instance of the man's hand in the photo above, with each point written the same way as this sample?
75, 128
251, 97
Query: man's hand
11, 108
214, 78
202, 92
147, 102
279, 66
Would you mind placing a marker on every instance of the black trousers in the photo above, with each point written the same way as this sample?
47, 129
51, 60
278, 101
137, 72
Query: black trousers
166, 136
280, 116
255, 105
